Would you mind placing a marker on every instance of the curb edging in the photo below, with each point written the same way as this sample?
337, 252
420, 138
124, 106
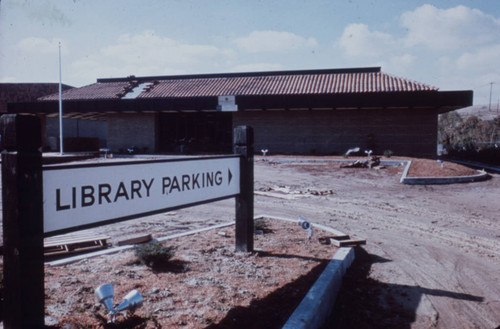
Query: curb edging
317, 305
482, 175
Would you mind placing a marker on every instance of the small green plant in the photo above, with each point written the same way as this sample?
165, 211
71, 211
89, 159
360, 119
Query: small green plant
388, 153
261, 224
154, 254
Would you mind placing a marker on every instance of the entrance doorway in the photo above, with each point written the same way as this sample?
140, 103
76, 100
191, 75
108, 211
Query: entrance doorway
195, 132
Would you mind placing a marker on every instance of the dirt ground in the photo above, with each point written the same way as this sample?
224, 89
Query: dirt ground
432, 258
205, 285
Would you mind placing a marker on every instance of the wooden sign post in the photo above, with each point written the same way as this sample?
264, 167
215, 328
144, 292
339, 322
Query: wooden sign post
22, 222
243, 145
73, 197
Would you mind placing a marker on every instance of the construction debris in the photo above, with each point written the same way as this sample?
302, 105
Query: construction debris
372, 162
74, 243
285, 192
320, 192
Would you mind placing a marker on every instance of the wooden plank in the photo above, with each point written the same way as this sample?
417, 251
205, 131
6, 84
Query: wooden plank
341, 237
69, 251
73, 243
136, 240
346, 243
73, 240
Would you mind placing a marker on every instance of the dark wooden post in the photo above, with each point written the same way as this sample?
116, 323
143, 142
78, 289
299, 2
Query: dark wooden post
22, 203
243, 146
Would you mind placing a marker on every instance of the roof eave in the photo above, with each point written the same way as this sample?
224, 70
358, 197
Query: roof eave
443, 101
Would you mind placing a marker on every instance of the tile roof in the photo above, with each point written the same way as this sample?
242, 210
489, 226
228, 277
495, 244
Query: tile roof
311, 82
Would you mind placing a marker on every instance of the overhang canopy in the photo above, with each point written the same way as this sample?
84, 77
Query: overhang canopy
331, 89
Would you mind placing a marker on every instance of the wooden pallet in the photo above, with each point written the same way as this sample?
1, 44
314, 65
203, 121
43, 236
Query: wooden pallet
74, 243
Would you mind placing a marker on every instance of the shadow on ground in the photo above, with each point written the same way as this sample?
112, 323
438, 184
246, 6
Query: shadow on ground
365, 303
274, 310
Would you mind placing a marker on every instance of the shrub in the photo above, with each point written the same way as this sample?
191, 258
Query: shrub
154, 254
262, 225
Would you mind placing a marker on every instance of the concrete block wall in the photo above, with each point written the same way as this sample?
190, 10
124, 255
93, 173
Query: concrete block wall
75, 128
127, 130
403, 131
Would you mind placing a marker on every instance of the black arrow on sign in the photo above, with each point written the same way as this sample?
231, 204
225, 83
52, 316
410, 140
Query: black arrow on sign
230, 175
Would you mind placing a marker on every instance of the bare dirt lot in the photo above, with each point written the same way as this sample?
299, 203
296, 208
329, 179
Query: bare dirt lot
432, 258
205, 285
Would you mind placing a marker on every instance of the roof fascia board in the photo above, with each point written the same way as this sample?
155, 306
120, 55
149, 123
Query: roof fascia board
242, 74
444, 100
455, 99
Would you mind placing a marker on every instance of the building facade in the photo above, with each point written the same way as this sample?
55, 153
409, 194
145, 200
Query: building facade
292, 112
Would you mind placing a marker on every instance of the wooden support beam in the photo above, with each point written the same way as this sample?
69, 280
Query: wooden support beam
243, 145
22, 222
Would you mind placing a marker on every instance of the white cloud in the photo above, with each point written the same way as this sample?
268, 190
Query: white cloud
255, 67
400, 64
359, 40
482, 59
39, 45
147, 53
32, 59
148, 47
479, 68
8, 79
449, 29
274, 41
455, 48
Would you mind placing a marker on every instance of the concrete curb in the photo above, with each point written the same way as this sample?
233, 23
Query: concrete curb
478, 165
482, 175
318, 303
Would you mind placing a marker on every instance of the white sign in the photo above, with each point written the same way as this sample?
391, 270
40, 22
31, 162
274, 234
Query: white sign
227, 104
79, 196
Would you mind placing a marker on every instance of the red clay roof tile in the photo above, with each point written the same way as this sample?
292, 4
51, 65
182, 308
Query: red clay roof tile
267, 83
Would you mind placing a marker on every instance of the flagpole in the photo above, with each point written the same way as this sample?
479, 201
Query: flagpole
61, 150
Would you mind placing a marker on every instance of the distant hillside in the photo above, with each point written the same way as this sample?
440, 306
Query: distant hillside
481, 111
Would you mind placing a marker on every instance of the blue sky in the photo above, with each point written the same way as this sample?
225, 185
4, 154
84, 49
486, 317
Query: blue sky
453, 45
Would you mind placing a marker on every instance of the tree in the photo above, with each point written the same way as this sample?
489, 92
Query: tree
470, 136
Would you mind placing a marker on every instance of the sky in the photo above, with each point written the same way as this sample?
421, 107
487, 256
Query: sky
453, 45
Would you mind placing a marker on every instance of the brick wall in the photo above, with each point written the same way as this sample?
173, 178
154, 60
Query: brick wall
138, 130
404, 131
